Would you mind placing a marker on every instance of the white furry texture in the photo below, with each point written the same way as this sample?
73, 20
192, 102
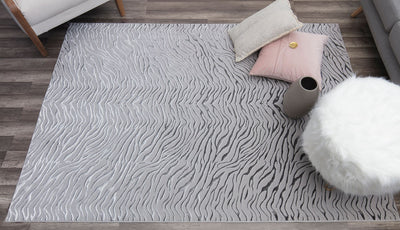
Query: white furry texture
353, 136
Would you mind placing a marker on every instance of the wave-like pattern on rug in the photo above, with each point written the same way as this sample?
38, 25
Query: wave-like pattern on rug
156, 122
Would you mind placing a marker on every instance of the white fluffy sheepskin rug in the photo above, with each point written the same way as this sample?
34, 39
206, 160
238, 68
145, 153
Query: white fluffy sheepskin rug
353, 136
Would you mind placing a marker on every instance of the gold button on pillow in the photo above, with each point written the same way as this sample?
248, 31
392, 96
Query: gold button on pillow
293, 45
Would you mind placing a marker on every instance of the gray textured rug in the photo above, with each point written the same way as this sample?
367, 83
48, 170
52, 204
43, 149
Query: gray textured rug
150, 122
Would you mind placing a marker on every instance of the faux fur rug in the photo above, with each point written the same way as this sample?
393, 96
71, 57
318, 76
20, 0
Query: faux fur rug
156, 122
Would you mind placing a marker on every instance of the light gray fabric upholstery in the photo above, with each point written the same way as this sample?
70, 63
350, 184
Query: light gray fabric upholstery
389, 12
381, 37
394, 38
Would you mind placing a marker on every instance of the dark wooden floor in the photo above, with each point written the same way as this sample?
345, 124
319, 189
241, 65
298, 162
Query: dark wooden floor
24, 77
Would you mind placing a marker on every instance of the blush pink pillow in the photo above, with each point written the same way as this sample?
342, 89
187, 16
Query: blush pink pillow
277, 60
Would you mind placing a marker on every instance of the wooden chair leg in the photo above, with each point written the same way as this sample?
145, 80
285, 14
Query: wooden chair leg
39, 45
120, 7
357, 12
26, 26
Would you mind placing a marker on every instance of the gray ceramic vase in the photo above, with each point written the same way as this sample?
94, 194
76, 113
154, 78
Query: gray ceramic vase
300, 97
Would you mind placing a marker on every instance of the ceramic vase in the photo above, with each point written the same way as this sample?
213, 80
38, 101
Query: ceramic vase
300, 97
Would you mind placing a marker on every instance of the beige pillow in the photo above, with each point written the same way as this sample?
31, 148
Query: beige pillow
263, 27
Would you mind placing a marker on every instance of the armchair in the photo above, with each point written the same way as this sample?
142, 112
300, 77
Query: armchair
36, 17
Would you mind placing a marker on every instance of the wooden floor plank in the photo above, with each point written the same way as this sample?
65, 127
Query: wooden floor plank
10, 114
35, 77
6, 194
26, 52
20, 143
361, 42
16, 128
198, 15
214, 6
9, 176
13, 159
3, 213
360, 31
25, 101
12, 88
5, 142
340, 7
368, 66
14, 226
13, 64
363, 52
26, 43
2, 157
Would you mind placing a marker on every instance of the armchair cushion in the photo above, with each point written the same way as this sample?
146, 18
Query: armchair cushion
389, 12
43, 15
394, 40
36, 11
